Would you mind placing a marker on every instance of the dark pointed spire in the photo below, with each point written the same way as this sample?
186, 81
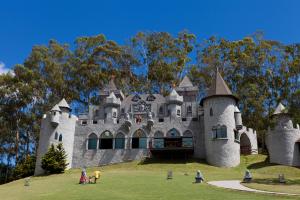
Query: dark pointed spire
218, 88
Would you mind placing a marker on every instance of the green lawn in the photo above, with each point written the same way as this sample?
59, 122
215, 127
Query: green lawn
148, 181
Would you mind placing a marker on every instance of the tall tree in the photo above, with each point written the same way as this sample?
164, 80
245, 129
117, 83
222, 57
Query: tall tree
163, 58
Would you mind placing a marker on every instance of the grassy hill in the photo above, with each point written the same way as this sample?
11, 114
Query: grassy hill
147, 180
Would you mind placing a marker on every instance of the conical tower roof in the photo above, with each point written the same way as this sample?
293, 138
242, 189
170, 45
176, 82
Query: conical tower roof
111, 86
186, 85
63, 104
186, 82
55, 108
174, 97
218, 88
280, 109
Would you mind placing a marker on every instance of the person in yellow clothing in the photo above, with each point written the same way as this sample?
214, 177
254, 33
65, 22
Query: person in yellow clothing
97, 175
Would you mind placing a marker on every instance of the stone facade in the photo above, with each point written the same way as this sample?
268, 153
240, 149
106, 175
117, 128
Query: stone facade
124, 128
283, 141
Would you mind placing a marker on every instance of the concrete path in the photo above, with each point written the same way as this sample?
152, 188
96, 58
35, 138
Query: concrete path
236, 185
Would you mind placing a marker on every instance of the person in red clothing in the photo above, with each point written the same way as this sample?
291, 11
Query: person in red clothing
83, 178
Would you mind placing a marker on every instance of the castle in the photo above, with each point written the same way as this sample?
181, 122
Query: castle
283, 141
124, 128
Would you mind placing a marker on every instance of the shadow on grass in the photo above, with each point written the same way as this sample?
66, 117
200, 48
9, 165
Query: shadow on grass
154, 160
275, 181
262, 164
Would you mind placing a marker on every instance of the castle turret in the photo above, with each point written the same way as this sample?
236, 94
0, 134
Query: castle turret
55, 115
174, 101
219, 124
56, 128
238, 118
283, 140
112, 105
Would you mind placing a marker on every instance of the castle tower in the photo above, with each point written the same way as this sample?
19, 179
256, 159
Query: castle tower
112, 106
219, 125
283, 142
109, 88
58, 126
174, 101
187, 90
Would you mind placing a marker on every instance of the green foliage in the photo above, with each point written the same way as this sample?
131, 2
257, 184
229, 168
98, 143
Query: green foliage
54, 161
25, 168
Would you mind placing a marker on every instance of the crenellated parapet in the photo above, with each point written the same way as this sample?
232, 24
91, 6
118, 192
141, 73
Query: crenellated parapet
283, 140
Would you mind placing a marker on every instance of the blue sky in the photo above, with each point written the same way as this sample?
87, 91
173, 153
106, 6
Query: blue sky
24, 23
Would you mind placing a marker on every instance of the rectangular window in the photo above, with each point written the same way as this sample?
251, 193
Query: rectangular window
84, 122
195, 119
178, 112
219, 132
95, 121
158, 143
183, 119
161, 120
187, 142
236, 135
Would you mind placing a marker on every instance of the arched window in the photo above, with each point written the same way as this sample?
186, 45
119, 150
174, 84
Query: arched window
56, 136
173, 139
92, 141
120, 141
158, 140
60, 138
139, 140
178, 112
211, 113
106, 140
173, 133
187, 139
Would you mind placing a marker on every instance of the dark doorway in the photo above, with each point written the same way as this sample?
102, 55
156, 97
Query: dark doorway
135, 143
106, 143
245, 144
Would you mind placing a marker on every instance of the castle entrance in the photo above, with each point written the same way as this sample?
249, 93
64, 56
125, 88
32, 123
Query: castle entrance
245, 144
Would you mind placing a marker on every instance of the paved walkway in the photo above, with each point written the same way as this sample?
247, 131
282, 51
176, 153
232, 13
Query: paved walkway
236, 185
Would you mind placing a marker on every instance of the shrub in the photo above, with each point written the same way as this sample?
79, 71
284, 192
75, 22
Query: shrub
25, 168
54, 161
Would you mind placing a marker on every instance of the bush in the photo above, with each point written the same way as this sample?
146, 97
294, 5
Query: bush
25, 168
54, 161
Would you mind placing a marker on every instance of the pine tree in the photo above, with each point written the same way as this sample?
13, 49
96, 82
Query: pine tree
54, 161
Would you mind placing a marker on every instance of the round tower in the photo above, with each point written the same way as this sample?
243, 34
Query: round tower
58, 126
283, 141
219, 106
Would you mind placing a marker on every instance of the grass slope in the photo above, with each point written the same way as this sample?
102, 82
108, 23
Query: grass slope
148, 181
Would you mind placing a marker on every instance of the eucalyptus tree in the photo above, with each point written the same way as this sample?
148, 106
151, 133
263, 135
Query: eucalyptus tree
163, 58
